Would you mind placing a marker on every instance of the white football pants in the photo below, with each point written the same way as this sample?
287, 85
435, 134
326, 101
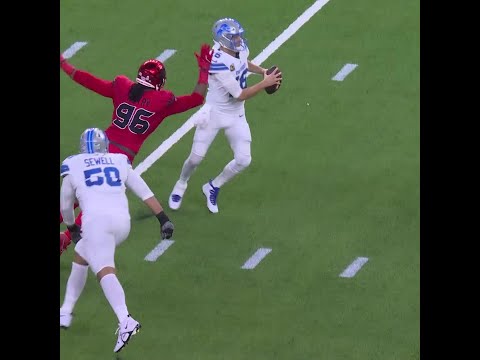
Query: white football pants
101, 234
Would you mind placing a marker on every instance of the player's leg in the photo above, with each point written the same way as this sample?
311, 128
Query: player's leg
239, 138
75, 285
101, 253
202, 140
66, 237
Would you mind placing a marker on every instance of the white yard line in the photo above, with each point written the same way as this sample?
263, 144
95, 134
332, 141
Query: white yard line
255, 259
158, 250
166, 54
344, 71
72, 50
354, 267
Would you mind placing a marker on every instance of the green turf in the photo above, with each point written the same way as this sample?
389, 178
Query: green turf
328, 182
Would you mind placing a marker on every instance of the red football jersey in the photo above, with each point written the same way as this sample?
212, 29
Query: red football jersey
132, 122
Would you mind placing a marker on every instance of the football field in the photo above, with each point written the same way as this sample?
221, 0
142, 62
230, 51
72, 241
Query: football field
315, 251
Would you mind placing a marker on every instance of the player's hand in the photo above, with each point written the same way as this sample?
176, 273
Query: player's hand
274, 78
205, 57
166, 226
167, 230
75, 233
66, 66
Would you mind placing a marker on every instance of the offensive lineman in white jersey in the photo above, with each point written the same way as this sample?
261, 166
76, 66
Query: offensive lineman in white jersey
98, 180
227, 92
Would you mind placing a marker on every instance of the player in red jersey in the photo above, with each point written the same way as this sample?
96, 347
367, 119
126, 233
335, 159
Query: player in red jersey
138, 106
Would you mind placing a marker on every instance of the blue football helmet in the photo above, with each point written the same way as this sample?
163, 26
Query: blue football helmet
93, 140
229, 33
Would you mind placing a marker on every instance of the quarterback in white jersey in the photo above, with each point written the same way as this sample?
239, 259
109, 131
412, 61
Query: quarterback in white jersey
98, 180
230, 78
225, 101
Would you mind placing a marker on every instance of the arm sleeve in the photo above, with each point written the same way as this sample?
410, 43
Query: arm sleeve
91, 82
67, 199
229, 82
139, 187
183, 103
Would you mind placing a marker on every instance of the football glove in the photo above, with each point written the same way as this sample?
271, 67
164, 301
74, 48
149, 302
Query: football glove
167, 230
204, 60
75, 233
166, 226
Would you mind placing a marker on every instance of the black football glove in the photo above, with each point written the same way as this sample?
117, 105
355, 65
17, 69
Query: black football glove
75, 233
167, 230
166, 226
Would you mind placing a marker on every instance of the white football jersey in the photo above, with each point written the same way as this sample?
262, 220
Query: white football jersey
99, 181
227, 79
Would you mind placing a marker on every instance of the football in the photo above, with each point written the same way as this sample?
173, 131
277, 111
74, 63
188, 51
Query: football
272, 89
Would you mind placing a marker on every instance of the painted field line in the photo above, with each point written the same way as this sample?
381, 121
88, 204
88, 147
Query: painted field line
158, 250
354, 267
289, 31
166, 54
259, 59
344, 71
255, 259
72, 50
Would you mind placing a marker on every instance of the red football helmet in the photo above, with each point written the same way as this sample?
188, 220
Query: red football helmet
152, 74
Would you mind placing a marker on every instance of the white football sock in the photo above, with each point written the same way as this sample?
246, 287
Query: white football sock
189, 167
75, 284
115, 295
226, 175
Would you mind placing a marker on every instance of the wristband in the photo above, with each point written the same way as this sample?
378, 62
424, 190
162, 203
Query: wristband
162, 217
203, 76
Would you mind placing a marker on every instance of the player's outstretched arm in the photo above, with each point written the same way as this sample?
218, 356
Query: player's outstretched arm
166, 225
140, 188
197, 97
84, 78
